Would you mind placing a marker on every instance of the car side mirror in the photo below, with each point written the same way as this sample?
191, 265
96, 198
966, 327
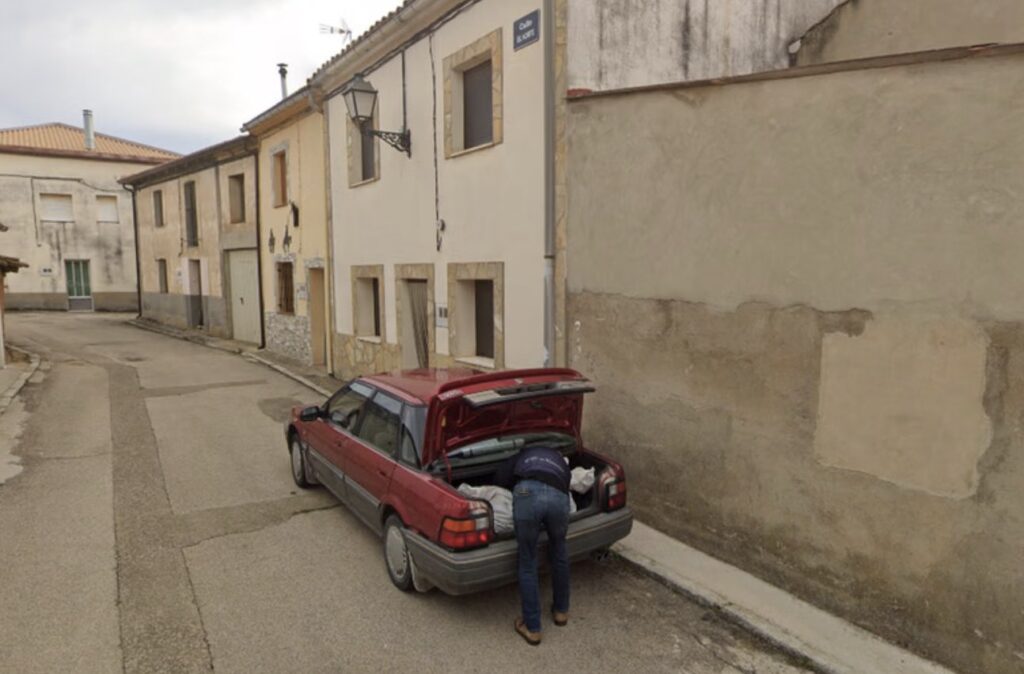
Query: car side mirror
310, 414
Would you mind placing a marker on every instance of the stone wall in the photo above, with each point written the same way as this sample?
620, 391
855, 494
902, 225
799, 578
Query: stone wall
355, 357
288, 336
800, 300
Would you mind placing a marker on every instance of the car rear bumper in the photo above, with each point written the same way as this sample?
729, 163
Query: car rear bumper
475, 570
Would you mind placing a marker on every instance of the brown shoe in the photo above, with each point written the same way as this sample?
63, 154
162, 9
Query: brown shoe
561, 619
532, 638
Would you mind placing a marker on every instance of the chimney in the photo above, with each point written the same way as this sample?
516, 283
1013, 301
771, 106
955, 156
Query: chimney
90, 135
282, 70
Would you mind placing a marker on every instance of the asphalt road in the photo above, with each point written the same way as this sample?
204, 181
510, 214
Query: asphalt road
151, 525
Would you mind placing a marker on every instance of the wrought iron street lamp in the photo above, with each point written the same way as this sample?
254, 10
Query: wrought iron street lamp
361, 100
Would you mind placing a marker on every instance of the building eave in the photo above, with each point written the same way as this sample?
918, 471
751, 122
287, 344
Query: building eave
81, 154
306, 100
11, 265
236, 148
401, 26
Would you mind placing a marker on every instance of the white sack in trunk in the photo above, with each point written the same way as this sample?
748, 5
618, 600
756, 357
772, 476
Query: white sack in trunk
501, 502
582, 480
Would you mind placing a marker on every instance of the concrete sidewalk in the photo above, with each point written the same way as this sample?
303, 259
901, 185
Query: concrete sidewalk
831, 644
15, 375
828, 643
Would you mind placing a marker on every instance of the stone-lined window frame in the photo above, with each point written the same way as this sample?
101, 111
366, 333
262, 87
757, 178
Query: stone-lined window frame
418, 272
354, 143
487, 47
363, 272
477, 271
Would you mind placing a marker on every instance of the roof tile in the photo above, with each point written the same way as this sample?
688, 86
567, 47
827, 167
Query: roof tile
65, 138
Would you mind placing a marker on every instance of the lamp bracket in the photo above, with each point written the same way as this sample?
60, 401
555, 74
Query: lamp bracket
400, 140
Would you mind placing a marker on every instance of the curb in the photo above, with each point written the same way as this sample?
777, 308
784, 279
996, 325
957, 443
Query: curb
288, 373
827, 643
186, 337
8, 396
245, 353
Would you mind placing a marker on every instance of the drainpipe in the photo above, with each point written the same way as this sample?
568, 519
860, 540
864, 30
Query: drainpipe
548, 27
259, 245
138, 261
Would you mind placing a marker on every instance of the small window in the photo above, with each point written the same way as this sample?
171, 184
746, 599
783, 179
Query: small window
473, 99
484, 298
279, 168
191, 217
106, 209
477, 101
380, 425
475, 318
158, 208
368, 307
236, 196
56, 208
285, 289
343, 409
161, 271
367, 153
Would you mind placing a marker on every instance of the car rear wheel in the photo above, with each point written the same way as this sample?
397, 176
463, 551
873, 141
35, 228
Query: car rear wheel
298, 463
396, 554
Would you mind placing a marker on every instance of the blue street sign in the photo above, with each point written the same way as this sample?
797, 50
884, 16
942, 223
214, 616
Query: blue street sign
526, 30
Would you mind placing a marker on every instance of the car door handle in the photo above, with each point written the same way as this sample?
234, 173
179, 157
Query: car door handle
382, 473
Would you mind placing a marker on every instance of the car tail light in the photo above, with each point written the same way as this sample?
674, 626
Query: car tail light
612, 489
468, 532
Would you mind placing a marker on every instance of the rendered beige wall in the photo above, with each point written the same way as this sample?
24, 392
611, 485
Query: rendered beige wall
169, 241
492, 200
865, 28
801, 301
304, 141
109, 247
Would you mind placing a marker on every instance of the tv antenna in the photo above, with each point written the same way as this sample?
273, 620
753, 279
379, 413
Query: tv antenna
342, 29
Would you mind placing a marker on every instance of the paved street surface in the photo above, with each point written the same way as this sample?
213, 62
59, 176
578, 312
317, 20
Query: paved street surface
154, 527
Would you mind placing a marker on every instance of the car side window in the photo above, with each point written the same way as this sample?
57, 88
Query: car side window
343, 409
381, 423
414, 419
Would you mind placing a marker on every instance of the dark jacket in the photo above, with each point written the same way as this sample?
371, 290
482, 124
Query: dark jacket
535, 463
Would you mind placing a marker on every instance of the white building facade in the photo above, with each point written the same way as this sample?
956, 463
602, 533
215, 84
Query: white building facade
439, 255
68, 217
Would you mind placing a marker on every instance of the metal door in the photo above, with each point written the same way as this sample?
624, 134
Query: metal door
245, 295
79, 285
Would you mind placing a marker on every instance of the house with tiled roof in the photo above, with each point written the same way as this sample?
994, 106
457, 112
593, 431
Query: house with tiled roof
64, 213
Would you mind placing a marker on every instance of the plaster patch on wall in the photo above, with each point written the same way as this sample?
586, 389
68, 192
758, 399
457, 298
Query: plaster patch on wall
904, 402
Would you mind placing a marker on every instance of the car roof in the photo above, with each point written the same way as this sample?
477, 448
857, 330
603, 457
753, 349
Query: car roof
426, 384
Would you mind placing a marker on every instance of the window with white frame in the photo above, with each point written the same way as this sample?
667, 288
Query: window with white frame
106, 209
56, 208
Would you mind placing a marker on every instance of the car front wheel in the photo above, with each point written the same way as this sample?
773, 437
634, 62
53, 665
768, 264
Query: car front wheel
298, 463
396, 554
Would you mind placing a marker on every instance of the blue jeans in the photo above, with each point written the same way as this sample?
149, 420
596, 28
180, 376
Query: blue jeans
536, 504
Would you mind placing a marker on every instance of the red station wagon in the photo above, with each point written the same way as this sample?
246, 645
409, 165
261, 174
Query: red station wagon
396, 447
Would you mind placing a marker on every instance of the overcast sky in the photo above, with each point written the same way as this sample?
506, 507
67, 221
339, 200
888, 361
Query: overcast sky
180, 75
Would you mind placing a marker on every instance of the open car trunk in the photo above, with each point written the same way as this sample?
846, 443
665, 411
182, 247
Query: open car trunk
483, 475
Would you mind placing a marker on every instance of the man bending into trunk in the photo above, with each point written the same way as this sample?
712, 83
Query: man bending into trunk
540, 498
